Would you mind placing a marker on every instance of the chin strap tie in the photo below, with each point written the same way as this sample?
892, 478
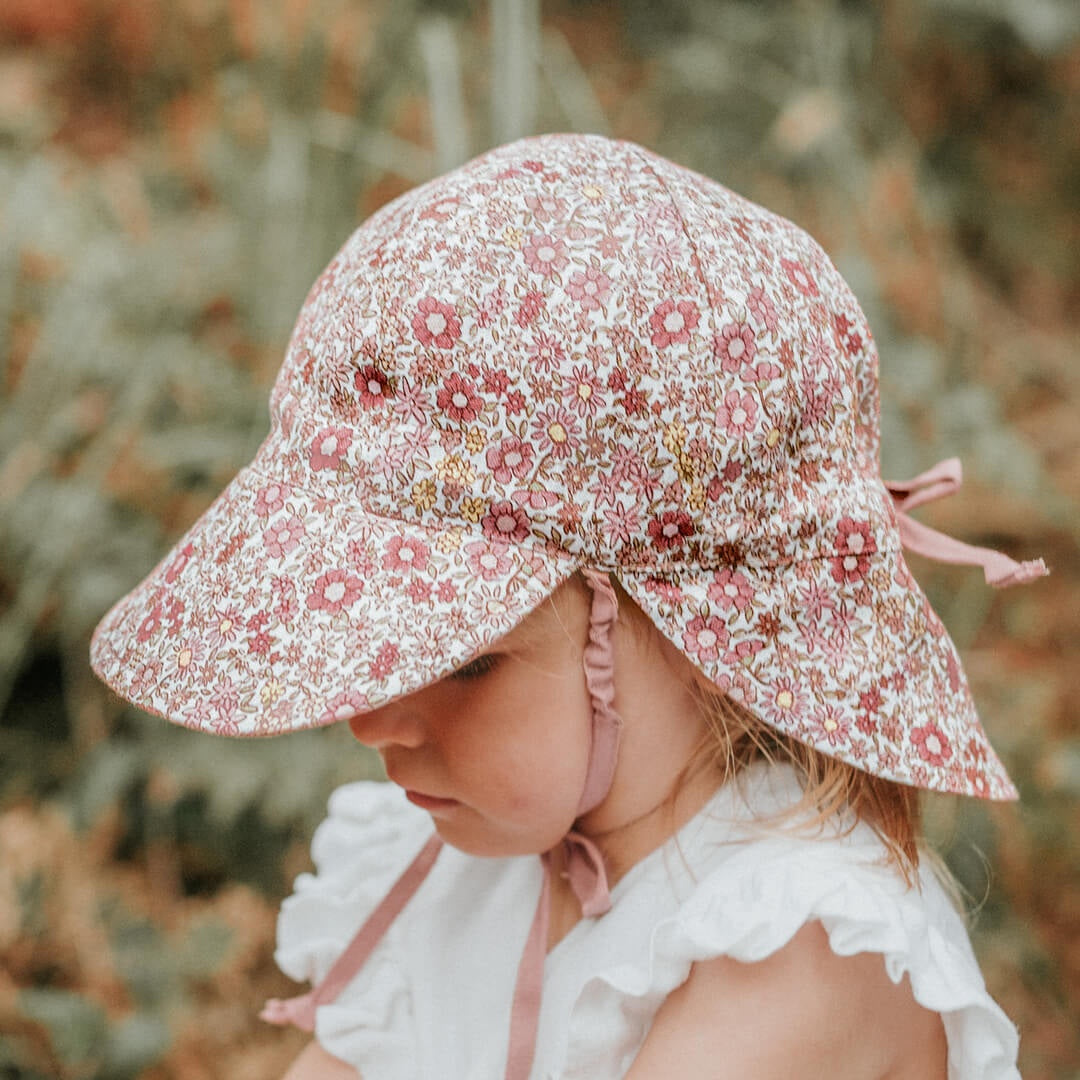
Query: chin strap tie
936, 483
584, 862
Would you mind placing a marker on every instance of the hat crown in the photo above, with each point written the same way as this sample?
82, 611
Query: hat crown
573, 341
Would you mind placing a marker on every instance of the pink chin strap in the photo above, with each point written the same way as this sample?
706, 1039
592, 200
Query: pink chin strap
584, 863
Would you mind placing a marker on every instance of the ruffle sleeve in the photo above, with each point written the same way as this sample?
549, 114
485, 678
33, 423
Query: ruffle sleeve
368, 838
752, 905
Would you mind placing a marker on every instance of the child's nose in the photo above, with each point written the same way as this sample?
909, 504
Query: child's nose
395, 724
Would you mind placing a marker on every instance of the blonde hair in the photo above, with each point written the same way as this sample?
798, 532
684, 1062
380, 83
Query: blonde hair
832, 788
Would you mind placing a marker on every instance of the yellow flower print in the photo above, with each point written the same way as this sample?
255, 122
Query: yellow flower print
697, 496
453, 470
686, 468
473, 509
592, 192
512, 236
423, 494
675, 436
475, 441
450, 541
270, 691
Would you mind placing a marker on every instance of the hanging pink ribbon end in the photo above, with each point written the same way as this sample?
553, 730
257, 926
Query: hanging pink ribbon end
297, 1011
1019, 574
936, 483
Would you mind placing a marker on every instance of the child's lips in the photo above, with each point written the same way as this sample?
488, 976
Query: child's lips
431, 803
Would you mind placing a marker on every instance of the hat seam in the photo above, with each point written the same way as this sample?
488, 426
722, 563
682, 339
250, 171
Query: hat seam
584, 556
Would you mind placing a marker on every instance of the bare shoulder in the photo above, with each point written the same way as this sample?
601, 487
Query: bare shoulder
314, 1063
836, 1016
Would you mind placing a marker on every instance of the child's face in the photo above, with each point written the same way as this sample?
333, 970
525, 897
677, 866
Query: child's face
498, 757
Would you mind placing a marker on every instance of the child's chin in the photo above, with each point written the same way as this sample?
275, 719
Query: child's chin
487, 845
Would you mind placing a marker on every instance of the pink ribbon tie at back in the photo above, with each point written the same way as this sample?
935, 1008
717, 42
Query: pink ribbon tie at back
936, 483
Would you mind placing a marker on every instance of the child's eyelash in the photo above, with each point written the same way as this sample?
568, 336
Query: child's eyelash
475, 668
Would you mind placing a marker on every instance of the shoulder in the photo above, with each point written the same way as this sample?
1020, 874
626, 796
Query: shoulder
837, 1016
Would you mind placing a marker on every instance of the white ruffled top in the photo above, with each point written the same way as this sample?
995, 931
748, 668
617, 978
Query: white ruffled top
434, 999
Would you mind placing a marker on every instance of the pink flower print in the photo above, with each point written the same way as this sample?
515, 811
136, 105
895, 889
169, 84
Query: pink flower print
738, 414
670, 529
734, 347
785, 697
150, 625
590, 287
509, 458
744, 651
505, 522
495, 381
146, 675
730, 589
530, 308
446, 592
871, 700
800, 277
546, 352
343, 707
672, 321
704, 638
854, 546
177, 566
334, 590
286, 609
535, 497
189, 656
270, 499
225, 627
283, 536
405, 553
224, 698
622, 523
931, 744
976, 779
558, 431
760, 305
385, 661
436, 323
545, 207
668, 592
583, 390
374, 386
545, 255
488, 558
766, 371
441, 209
490, 308
952, 670
830, 725
419, 591
328, 447
458, 398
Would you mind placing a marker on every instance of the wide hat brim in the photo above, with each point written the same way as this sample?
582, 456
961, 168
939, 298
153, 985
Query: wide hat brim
280, 611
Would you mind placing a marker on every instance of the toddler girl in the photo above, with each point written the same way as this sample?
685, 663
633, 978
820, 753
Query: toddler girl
571, 508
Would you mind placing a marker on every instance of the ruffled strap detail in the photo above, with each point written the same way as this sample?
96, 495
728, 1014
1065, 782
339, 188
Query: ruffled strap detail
753, 905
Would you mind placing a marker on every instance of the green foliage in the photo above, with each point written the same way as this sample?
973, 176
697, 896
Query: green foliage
172, 177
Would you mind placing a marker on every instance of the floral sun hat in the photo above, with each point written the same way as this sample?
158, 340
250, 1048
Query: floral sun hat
569, 353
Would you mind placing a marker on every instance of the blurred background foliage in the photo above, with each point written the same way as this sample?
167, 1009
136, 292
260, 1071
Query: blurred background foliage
173, 175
